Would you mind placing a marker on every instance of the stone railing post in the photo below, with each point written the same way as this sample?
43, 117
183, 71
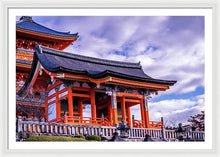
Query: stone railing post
38, 128
51, 128
73, 130
64, 129
47, 128
60, 129
34, 130
89, 131
19, 124
42, 128
29, 127
55, 128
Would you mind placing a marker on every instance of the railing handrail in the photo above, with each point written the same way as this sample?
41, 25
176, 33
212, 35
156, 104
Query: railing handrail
83, 120
73, 129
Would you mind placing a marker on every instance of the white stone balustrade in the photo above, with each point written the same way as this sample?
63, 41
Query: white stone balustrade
105, 131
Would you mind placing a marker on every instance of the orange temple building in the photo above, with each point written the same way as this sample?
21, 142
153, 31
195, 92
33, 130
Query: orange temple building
63, 82
28, 33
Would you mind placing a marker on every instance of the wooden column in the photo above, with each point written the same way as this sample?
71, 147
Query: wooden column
46, 109
110, 111
58, 107
93, 106
146, 111
80, 108
70, 101
123, 109
114, 107
142, 111
129, 115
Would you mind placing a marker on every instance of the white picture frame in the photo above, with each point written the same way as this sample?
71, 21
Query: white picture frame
109, 4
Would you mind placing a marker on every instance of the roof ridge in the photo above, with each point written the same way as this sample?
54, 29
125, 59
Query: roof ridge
87, 58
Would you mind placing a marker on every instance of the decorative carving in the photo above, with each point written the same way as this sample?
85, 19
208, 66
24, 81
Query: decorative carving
24, 55
28, 43
67, 83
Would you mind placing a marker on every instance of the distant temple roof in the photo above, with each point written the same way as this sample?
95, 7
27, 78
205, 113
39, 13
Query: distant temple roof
27, 23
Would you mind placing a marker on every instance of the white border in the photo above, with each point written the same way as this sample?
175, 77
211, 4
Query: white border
113, 12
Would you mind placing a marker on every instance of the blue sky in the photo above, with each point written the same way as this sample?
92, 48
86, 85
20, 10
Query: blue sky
170, 48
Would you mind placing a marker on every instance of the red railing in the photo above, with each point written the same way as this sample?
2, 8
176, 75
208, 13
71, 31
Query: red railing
155, 125
138, 124
83, 121
152, 124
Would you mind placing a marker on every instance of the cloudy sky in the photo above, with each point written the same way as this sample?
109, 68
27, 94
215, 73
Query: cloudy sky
170, 48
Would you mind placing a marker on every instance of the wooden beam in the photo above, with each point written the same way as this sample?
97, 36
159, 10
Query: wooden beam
121, 94
58, 92
133, 104
102, 106
81, 95
82, 89
152, 85
54, 85
133, 100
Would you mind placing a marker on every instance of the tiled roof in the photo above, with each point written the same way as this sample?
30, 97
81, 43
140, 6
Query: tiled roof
60, 61
27, 23
56, 61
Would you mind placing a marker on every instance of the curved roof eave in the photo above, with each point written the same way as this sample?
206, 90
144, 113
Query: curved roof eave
27, 23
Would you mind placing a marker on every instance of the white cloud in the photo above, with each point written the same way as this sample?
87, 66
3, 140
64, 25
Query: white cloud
173, 111
176, 110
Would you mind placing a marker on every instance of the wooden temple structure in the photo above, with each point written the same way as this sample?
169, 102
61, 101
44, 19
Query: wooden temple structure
28, 33
66, 81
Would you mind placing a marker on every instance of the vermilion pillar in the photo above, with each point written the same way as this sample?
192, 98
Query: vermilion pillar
110, 111
146, 111
142, 111
129, 115
70, 101
58, 106
114, 107
93, 106
123, 109
46, 109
